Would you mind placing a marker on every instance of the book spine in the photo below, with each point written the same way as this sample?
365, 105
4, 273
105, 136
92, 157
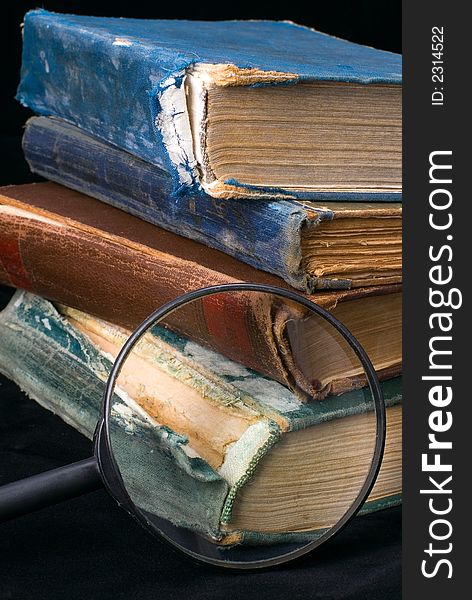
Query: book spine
118, 283
59, 368
263, 234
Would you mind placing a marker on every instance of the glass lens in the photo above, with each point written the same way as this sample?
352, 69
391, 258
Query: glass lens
244, 425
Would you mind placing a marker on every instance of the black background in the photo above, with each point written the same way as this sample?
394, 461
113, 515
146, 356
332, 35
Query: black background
88, 547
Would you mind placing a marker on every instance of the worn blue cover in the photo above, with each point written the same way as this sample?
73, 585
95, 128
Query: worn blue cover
107, 75
265, 234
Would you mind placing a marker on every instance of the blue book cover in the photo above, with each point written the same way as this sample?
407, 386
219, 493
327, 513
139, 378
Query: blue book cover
271, 235
148, 86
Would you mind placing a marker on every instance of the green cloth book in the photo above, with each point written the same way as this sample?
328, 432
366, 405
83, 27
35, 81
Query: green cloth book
212, 475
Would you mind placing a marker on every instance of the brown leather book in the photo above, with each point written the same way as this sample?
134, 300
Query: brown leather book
75, 250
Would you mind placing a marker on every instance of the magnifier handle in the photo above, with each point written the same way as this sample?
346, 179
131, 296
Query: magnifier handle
30, 494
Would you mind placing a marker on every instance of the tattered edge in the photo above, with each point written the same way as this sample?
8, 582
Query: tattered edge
181, 119
179, 108
274, 433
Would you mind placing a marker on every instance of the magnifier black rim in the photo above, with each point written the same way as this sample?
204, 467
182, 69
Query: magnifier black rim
111, 473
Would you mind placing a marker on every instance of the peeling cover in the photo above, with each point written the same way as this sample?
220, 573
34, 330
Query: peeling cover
124, 80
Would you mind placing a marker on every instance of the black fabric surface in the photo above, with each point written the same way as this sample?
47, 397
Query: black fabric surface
89, 548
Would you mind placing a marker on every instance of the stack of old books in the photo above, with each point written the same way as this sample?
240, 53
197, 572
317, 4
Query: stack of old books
181, 155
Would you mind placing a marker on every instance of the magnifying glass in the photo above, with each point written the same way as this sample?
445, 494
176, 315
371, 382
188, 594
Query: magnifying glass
242, 423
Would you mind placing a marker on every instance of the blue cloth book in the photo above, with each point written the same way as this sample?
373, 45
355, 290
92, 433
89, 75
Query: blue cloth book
207, 478
254, 109
311, 245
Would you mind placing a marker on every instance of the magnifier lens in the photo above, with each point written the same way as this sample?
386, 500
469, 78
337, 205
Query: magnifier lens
244, 427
